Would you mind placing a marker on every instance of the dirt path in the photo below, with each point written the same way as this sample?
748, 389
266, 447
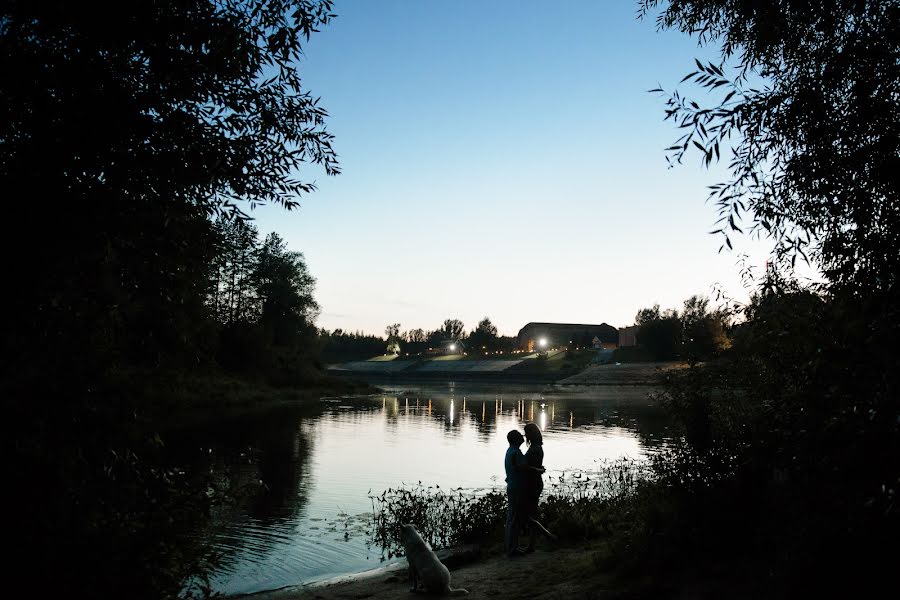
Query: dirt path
543, 575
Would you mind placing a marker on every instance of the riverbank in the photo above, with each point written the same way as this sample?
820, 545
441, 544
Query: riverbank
613, 374
560, 574
650, 373
545, 574
183, 398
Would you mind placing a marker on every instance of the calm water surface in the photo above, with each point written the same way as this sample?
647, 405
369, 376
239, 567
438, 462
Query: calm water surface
308, 473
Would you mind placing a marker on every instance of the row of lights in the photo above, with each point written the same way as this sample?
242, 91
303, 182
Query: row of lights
542, 343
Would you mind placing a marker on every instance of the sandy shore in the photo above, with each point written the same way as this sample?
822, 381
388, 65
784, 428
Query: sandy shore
545, 574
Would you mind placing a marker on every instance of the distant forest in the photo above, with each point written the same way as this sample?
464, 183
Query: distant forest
339, 346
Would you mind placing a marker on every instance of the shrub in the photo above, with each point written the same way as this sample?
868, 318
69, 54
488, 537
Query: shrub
578, 505
443, 517
775, 461
586, 504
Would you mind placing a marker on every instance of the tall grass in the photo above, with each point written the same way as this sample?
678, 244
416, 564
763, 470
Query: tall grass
577, 505
443, 517
581, 505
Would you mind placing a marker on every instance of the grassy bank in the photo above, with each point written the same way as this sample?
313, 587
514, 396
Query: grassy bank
651, 373
556, 363
596, 515
178, 397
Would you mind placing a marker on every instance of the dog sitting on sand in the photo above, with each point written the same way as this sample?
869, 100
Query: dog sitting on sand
425, 566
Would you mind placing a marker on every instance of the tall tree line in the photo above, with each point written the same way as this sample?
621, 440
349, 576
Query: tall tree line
261, 297
119, 146
696, 332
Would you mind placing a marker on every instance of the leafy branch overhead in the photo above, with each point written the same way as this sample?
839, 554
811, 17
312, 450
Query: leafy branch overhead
710, 128
804, 105
274, 124
209, 94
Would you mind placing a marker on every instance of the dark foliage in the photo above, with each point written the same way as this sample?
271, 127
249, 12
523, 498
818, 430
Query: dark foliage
697, 333
791, 443
811, 111
662, 337
340, 346
578, 506
443, 517
452, 329
118, 144
483, 338
789, 465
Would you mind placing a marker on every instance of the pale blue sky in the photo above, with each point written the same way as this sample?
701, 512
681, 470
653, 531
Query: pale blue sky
501, 159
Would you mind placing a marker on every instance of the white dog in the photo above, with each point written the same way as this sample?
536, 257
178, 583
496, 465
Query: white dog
425, 566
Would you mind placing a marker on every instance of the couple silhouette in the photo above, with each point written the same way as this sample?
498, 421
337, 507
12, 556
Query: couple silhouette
524, 484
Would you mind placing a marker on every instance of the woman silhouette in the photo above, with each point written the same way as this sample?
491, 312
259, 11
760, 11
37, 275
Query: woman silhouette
533, 485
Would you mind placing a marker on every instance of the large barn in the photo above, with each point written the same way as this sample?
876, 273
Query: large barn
566, 334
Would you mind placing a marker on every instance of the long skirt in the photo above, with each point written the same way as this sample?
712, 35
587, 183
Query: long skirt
528, 504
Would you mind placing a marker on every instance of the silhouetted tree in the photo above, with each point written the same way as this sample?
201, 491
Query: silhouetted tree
484, 337
645, 315
137, 133
696, 333
126, 127
811, 107
777, 439
434, 338
392, 332
452, 329
416, 335
340, 346
703, 329
662, 337
284, 286
232, 299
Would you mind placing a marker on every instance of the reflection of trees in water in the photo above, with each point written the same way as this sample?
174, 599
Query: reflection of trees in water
260, 464
459, 405
453, 412
265, 457
281, 456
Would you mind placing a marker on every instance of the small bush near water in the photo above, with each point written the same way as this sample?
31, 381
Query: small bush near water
578, 506
443, 517
584, 505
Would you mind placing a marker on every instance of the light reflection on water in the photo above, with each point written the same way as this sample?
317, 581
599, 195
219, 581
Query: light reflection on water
317, 467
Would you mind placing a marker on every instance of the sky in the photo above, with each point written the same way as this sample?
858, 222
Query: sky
502, 159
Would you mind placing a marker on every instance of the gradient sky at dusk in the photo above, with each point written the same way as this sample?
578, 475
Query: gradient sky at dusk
502, 159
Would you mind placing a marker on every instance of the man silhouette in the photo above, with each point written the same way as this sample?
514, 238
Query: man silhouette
513, 463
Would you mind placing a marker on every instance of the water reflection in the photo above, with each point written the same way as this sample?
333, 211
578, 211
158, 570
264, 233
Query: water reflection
302, 470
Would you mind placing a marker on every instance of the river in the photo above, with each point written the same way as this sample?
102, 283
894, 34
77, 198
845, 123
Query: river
306, 473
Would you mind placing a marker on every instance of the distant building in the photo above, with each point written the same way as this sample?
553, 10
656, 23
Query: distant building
628, 336
446, 348
567, 334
